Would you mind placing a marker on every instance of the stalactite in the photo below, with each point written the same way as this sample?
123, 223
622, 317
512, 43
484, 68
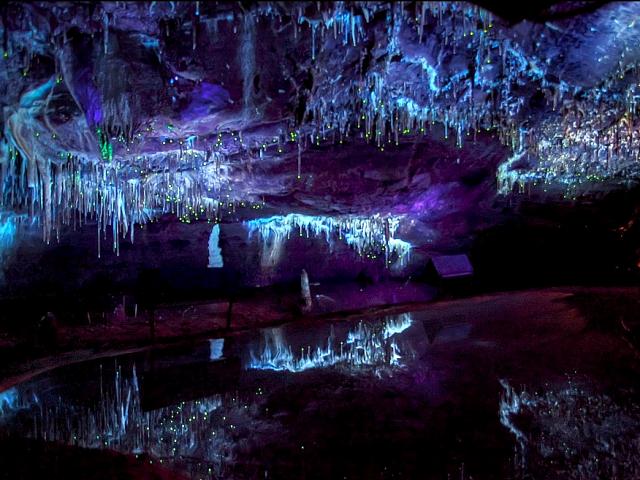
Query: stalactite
368, 236
299, 161
247, 60
105, 31
593, 147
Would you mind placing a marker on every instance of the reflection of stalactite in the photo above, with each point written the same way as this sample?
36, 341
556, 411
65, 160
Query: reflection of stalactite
118, 422
510, 406
366, 345
559, 421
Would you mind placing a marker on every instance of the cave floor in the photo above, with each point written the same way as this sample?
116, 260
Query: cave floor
448, 399
114, 332
178, 323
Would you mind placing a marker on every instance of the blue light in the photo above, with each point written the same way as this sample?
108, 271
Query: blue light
32, 96
365, 235
365, 345
215, 253
8, 229
216, 348
8, 401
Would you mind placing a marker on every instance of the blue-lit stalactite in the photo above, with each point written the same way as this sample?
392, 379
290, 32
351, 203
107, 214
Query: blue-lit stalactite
8, 401
123, 193
215, 253
370, 237
591, 148
8, 229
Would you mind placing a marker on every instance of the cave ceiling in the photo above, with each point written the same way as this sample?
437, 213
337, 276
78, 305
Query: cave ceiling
118, 113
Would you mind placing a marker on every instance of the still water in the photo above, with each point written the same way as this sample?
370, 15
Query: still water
402, 396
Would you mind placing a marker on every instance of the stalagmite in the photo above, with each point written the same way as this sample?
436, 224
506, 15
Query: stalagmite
306, 291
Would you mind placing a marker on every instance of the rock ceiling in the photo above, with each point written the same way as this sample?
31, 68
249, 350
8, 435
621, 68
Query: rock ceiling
117, 112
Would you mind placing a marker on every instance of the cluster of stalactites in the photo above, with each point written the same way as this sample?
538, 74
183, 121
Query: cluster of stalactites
381, 112
80, 192
572, 147
369, 236
591, 136
113, 187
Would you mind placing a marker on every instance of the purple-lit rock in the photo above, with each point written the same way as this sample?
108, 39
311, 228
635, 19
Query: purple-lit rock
272, 233
116, 114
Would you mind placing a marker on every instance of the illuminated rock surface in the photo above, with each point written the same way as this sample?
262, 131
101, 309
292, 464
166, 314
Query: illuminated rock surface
191, 171
116, 114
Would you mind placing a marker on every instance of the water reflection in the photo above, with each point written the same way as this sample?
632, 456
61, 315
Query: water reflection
569, 430
196, 435
305, 400
366, 345
118, 408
